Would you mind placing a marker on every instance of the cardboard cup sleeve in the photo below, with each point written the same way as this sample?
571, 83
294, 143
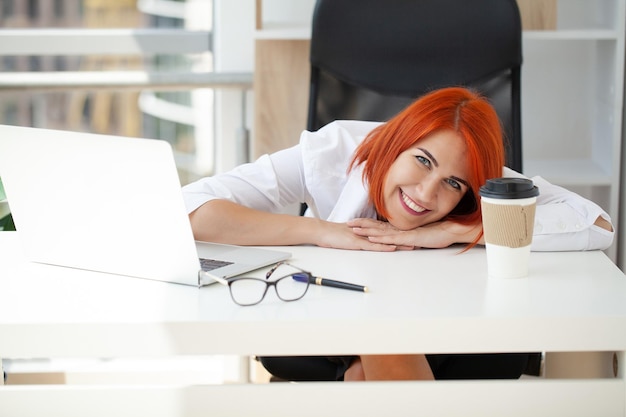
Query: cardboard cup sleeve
508, 225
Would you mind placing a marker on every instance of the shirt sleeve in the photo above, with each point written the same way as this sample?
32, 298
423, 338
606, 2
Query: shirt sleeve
271, 183
564, 220
312, 172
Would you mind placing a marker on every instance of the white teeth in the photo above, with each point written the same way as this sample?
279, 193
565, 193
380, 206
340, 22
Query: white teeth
412, 204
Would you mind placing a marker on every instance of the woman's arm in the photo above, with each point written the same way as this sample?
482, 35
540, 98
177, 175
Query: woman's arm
227, 222
604, 224
244, 206
436, 235
567, 221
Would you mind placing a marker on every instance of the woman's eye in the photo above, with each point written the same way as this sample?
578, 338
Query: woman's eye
423, 160
454, 183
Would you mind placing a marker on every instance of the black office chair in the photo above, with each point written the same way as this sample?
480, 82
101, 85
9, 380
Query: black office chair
371, 58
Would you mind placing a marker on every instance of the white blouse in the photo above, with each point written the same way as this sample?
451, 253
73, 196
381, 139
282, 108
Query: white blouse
315, 172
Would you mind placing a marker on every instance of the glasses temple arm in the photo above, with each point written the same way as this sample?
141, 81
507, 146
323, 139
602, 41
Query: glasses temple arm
271, 271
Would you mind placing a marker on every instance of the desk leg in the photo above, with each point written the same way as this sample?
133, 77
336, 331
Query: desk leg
236, 369
620, 365
244, 369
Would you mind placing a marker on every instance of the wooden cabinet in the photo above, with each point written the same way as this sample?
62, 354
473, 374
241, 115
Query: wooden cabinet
281, 92
281, 73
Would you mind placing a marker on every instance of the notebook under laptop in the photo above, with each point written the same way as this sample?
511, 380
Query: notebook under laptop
108, 204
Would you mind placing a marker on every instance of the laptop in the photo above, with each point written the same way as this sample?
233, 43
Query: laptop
109, 204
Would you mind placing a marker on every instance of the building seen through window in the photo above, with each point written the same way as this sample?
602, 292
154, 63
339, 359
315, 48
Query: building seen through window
168, 115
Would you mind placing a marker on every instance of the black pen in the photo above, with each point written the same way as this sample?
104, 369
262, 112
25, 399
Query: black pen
330, 283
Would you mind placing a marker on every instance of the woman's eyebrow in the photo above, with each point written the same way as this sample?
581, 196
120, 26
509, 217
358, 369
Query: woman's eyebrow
434, 161
462, 181
430, 156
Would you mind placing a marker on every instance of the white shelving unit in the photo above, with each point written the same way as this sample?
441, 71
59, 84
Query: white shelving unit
572, 100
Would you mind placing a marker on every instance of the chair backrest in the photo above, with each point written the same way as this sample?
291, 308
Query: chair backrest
371, 58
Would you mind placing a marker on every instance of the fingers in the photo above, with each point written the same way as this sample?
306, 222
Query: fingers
364, 234
369, 232
365, 242
381, 233
369, 223
400, 241
340, 236
378, 247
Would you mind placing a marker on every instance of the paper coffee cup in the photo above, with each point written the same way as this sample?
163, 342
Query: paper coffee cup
508, 213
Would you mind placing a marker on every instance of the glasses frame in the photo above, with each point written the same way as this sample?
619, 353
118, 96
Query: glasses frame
229, 282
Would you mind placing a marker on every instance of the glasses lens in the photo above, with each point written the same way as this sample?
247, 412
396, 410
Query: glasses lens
288, 289
247, 291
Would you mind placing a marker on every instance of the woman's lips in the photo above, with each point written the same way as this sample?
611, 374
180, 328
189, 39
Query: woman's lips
411, 205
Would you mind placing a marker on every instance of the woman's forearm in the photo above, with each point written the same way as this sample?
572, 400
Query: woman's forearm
605, 224
227, 222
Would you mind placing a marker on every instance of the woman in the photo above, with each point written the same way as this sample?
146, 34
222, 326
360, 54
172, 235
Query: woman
411, 182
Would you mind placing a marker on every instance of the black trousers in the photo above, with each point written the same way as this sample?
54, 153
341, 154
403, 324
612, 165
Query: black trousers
444, 366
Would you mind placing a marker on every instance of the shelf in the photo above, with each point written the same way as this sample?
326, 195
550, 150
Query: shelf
276, 31
586, 34
290, 32
571, 172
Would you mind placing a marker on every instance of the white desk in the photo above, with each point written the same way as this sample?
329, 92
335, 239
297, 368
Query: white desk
430, 301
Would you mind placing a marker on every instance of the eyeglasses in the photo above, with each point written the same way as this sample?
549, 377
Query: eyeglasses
247, 291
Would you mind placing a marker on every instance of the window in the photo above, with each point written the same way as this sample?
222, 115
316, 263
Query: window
114, 46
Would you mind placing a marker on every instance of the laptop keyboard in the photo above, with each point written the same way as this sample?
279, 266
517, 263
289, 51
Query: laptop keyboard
211, 264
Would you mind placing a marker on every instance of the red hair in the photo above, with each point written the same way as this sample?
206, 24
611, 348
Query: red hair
457, 109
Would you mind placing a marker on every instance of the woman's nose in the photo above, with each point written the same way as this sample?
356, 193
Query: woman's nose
428, 189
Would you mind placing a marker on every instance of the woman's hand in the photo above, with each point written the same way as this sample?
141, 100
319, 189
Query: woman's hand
435, 235
341, 236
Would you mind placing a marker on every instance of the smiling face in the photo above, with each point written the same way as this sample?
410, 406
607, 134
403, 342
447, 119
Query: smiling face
426, 181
